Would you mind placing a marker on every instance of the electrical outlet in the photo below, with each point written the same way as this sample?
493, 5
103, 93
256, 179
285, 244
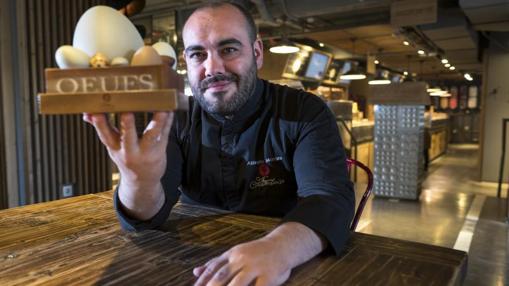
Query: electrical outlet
67, 190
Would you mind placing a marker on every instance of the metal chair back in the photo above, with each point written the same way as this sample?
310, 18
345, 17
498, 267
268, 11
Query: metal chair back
367, 192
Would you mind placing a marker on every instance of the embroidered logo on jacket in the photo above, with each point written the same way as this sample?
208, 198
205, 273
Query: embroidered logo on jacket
263, 179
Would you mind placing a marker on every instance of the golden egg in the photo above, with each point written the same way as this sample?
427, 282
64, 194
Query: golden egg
99, 60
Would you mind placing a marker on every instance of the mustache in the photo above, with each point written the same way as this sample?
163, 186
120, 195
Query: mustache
204, 84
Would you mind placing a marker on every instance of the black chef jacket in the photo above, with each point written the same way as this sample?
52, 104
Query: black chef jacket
279, 155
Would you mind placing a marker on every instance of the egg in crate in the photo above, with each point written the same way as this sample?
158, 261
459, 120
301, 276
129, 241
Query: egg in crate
68, 57
167, 54
145, 56
105, 30
119, 62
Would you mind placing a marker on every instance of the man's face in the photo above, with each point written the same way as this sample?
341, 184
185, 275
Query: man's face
221, 60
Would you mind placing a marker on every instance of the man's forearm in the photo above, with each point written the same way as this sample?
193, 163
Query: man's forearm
140, 202
297, 242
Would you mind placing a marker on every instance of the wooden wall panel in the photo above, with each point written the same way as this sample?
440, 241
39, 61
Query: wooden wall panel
59, 149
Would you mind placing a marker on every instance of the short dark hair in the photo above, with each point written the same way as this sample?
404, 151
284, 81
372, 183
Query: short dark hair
251, 26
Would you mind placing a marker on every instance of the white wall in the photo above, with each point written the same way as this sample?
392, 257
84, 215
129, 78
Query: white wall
496, 107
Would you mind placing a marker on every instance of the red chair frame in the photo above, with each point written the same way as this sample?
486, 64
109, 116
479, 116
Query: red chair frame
367, 192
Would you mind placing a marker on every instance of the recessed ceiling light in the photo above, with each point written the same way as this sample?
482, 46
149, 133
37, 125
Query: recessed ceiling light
452, 68
406, 43
420, 52
405, 73
444, 61
321, 45
377, 62
447, 65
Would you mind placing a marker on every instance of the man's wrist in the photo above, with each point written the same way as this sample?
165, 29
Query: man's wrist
296, 242
141, 202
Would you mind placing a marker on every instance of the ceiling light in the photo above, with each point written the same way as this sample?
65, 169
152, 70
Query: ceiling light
182, 71
444, 61
405, 73
421, 52
284, 49
377, 62
433, 89
284, 46
382, 77
438, 92
468, 77
321, 45
379, 80
352, 75
406, 43
452, 68
447, 65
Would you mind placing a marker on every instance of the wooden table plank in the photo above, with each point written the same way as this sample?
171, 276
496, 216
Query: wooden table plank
78, 241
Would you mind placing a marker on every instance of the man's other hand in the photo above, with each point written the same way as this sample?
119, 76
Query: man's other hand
259, 262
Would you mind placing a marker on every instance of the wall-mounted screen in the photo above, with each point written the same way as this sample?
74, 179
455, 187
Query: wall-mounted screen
317, 66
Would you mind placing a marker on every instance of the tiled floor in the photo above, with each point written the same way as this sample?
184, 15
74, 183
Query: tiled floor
437, 218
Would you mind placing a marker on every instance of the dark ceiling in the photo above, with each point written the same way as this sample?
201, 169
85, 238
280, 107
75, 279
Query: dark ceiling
362, 27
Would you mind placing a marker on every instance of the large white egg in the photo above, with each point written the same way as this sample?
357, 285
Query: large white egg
102, 29
165, 49
70, 57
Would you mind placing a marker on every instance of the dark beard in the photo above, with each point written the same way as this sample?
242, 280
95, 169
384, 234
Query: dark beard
246, 85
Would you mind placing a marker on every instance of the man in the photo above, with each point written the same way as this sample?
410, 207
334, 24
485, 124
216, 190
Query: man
246, 145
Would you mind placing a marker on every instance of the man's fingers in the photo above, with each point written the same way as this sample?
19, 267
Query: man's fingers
128, 137
197, 271
243, 278
210, 269
168, 124
154, 132
108, 135
223, 275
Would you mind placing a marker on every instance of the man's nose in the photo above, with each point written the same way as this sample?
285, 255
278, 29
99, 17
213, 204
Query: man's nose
214, 65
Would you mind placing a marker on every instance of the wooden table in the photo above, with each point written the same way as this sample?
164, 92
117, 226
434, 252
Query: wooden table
78, 241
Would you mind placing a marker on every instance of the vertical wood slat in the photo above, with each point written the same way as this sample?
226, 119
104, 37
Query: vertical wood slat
36, 181
62, 149
44, 121
4, 202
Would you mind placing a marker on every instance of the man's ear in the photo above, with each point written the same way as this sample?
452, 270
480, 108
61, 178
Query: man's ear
258, 52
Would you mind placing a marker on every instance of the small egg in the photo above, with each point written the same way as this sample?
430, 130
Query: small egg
146, 56
99, 60
70, 57
167, 53
119, 62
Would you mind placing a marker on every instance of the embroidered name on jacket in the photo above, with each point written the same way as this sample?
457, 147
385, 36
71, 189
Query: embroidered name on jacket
267, 160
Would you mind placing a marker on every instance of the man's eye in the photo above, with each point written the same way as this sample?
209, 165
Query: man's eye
197, 56
229, 50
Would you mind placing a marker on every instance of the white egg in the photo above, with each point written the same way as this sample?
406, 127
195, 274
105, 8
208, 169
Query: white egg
165, 49
70, 57
105, 30
119, 62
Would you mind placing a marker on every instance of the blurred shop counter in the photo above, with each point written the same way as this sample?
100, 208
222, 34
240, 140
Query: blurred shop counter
438, 132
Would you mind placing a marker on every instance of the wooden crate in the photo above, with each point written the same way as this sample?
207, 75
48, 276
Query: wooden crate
113, 89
